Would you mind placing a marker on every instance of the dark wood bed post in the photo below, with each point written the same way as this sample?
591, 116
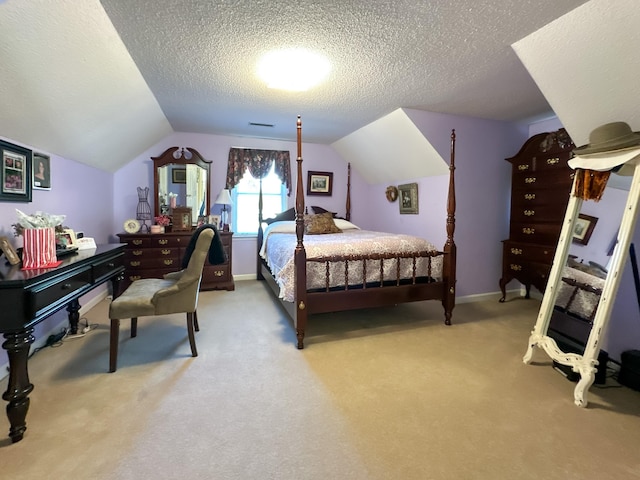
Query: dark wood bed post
300, 255
449, 262
348, 205
260, 276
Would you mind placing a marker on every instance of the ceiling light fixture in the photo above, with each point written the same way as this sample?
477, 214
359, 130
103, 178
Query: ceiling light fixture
293, 69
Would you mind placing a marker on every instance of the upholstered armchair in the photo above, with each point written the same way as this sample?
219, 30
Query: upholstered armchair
177, 292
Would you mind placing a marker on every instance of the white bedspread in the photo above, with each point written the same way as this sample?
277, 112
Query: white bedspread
280, 241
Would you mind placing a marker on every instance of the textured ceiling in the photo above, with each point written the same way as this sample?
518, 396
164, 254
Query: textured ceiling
199, 57
107, 81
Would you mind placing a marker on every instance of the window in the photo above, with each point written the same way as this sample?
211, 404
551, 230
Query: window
244, 214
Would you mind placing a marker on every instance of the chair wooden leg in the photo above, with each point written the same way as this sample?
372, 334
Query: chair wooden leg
134, 327
192, 335
195, 321
113, 344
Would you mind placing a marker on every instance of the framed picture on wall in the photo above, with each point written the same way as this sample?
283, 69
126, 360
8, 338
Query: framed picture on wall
408, 195
41, 171
319, 183
15, 180
179, 175
583, 228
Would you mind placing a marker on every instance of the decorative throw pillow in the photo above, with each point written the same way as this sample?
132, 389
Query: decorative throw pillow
320, 224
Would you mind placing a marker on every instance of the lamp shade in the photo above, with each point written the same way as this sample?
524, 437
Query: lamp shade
224, 197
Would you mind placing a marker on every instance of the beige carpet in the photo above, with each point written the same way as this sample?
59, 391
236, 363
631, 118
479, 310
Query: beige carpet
379, 394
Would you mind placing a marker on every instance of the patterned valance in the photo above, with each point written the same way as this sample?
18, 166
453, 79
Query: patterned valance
258, 163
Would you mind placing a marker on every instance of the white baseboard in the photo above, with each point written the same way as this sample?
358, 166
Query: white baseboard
42, 340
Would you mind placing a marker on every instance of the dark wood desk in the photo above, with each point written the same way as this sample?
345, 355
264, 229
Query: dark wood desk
29, 296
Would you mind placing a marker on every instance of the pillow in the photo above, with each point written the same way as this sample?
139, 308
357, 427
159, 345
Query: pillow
287, 215
320, 224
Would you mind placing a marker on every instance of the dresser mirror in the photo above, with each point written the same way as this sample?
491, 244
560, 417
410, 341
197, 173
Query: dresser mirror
181, 180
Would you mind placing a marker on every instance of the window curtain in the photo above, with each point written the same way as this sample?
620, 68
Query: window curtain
258, 163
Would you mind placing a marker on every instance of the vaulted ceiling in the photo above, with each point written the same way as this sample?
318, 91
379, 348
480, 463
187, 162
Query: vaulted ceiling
100, 82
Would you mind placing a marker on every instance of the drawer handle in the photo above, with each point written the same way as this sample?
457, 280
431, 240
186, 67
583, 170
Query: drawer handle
168, 262
516, 268
163, 241
529, 196
523, 167
136, 242
133, 278
134, 263
111, 264
218, 273
66, 286
166, 252
516, 251
530, 180
137, 253
529, 213
528, 231
553, 161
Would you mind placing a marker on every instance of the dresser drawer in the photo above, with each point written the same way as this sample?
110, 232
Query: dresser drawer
163, 241
539, 233
172, 263
132, 242
151, 253
519, 252
546, 180
216, 273
542, 213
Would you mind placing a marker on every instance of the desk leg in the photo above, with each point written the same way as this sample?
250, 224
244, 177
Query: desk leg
74, 316
19, 388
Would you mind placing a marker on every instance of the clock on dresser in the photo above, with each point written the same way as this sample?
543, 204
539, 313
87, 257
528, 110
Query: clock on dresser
151, 255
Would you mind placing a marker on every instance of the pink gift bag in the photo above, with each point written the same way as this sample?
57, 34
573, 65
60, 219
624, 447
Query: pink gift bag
39, 248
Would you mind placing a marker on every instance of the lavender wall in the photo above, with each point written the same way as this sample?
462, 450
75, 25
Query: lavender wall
85, 195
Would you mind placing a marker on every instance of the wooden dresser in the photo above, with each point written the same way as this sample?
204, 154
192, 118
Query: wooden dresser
151, 255
540, 187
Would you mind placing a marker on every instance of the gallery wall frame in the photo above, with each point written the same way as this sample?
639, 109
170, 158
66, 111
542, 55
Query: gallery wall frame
15, 174
408, 195
41, 171
319, 183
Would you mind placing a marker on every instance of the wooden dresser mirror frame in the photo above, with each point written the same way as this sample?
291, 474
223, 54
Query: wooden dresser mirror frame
178, 158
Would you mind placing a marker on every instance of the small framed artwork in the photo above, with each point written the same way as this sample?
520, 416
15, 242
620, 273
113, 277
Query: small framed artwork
41, 171
215, 220
408, 195
9, 252
583, 228
16, 173
319, 183
66, 239
179, 175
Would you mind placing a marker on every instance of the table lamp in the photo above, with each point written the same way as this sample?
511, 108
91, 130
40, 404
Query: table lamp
224, 199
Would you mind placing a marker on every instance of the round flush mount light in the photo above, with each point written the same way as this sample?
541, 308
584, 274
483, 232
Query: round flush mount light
294, 69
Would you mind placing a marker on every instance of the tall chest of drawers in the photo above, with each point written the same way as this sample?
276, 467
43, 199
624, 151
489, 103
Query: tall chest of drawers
541, 184
151, 255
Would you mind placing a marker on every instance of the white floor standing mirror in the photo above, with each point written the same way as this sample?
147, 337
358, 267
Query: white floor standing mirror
612, 148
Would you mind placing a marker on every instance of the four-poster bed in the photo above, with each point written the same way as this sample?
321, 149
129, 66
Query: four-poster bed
326, 279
